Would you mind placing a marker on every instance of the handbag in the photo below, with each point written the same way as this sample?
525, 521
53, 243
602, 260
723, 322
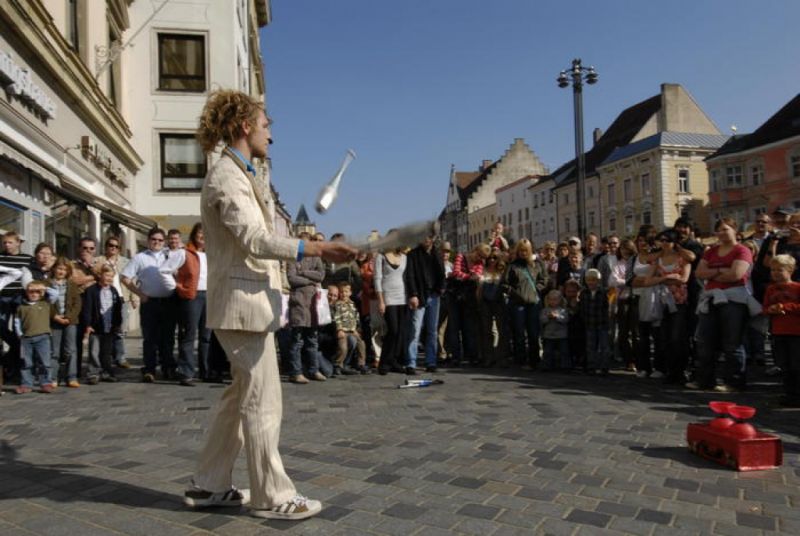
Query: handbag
284, 310
322, 308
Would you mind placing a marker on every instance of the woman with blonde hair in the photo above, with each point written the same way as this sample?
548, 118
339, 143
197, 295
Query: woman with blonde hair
526, 279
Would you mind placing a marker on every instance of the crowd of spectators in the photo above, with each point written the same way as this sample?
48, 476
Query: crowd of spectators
663, 305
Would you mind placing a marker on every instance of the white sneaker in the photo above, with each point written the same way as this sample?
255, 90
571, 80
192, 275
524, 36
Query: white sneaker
641, 374
298, 507
656, 375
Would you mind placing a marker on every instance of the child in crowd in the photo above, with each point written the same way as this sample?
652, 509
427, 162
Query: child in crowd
346, 318
33, 327
66, 311
577, 333
782, 305
102, 316
593, 306
555, 330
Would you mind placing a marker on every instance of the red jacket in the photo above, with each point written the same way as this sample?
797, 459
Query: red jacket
788, 296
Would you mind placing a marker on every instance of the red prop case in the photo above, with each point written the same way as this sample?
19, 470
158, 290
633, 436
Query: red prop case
732, 442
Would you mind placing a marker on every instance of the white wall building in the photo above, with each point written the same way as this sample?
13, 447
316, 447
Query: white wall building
515, 207
543, 212
184, 51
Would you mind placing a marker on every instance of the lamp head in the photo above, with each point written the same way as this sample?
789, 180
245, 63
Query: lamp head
562, 80
591, 76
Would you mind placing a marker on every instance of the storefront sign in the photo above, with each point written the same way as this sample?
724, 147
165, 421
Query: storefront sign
101, 158
17, 82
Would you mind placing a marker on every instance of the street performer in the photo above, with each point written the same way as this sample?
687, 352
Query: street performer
244, 305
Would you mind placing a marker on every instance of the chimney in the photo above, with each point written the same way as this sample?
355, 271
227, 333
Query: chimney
485, 164
597, 134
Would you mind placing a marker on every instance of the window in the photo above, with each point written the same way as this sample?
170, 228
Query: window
519, 216
552, 225
645, 183
183, 164
566, 199
528, 229
591, 219
551, 196
590, 192
612, 194
520, 235
733, 176
756, 174
72, 34
646, 218
566, 225
536, 227
626, 190
629, 224
504, 220
794, 166
510, 219
181, 62
714, 180
527, 214
535, 201
683, 181
612, 224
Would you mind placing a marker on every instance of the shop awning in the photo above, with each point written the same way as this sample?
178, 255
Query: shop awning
121, 215
25, 161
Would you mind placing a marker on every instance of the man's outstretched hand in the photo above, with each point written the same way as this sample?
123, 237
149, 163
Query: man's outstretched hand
330, 251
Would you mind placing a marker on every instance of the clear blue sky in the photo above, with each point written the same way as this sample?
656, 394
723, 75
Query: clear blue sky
416, 85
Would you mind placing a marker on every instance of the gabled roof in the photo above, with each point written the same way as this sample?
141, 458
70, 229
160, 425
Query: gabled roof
620, 133
476, 181
302, 216
670, 139
784, 124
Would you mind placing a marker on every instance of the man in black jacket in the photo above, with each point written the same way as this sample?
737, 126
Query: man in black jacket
424, 279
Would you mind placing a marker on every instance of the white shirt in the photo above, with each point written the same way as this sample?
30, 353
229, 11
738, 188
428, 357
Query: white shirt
155, 271
202, 283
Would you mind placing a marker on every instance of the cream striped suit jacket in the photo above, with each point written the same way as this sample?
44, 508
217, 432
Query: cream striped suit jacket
244, 277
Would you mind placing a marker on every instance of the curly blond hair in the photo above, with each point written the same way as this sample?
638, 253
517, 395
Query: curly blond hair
223, 116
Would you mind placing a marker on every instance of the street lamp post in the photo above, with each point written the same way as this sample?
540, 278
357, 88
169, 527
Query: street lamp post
578, 74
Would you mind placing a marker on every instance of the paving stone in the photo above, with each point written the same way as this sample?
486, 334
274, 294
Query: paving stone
616, 509
479, 511
755, 521
467, 482
584, 517
404, 511
654, 516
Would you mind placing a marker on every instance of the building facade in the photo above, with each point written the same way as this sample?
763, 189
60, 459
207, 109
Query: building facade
543, 211
514, 208
183, 51
654, 181
67, 161
674, 111
758, 172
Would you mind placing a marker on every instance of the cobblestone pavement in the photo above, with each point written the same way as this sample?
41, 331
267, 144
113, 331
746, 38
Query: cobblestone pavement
488, 453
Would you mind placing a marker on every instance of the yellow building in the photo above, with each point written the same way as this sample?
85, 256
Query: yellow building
654, 181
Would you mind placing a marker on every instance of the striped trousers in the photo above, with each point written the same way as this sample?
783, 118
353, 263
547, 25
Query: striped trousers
249, 416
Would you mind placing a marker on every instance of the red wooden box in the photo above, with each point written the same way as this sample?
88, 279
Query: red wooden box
765, 451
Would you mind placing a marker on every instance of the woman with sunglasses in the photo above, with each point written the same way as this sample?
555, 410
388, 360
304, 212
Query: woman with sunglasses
670, 269
492, 308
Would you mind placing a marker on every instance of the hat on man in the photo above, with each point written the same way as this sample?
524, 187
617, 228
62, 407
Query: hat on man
446, 246
574, 241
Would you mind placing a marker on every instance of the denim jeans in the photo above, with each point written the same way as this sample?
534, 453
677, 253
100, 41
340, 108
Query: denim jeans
191, 323
721, 329
35, 352
101, 348
786, 350
427, 314
597, 348
526, 322
63, 342
158, 317
556, 354
303, 344
648, 330
673, 343
119, 337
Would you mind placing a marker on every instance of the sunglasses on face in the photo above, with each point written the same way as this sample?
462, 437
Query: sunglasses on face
112, 245
156, 240
87, 248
